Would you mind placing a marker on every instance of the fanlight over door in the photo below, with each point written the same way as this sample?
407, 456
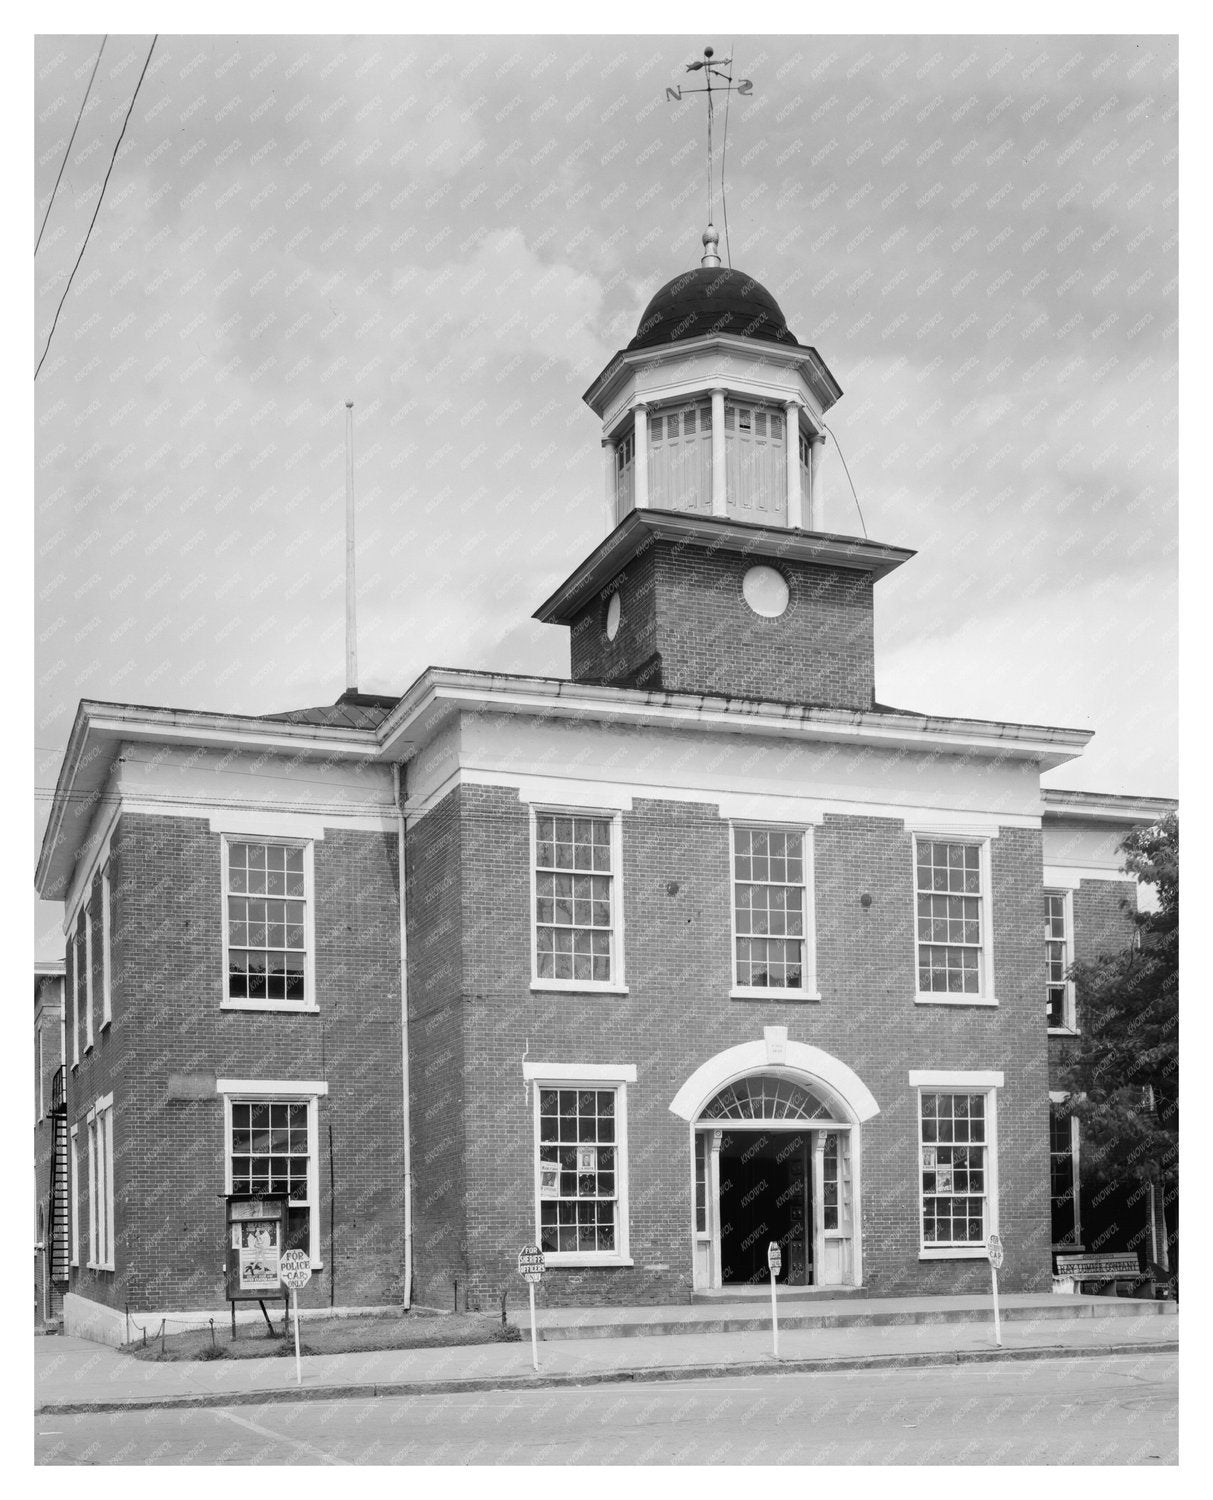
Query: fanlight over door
766, 1097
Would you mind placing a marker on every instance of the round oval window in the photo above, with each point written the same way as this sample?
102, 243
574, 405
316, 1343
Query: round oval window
765, 591
612, 621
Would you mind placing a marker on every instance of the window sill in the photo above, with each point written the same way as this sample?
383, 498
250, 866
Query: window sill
107, 1023
956, 1252
88, 1047
577, 987
761, 992
278, 1006
980, 1000
1063, 1030
571, 1258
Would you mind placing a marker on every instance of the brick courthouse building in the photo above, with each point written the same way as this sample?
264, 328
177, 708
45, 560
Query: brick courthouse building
698, 948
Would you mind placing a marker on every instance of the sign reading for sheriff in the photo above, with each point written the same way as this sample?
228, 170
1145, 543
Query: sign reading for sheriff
531, 1266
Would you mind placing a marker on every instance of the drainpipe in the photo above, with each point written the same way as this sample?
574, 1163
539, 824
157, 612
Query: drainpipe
404, 1043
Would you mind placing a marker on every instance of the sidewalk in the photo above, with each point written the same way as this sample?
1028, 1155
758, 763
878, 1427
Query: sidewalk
74, 1375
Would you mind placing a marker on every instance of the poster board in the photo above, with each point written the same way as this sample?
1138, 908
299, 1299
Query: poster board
256, 1239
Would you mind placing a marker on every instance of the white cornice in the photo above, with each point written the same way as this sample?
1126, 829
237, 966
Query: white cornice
1104, 807
439, 692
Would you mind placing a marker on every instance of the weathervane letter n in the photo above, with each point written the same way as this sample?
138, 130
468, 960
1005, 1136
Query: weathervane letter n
674, 93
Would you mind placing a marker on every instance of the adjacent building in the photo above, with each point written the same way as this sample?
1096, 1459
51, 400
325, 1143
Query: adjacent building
700, 947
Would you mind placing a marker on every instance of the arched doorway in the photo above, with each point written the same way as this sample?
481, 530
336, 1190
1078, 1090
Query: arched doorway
775, 1152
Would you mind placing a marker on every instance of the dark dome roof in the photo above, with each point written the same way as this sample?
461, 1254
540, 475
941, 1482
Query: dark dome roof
711, 299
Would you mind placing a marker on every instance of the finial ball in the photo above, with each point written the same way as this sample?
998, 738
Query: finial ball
708, 52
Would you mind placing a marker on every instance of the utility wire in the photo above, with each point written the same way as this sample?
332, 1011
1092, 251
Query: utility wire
97, 210
68, 152
850, 481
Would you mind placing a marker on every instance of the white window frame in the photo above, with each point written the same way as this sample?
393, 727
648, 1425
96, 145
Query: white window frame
99, 1125
617, 984
310, 1003
41, 1114
74, 950
281, 1091
74, 1195
88, 979
107, 1001
614, 1076
1069, 1026
985, 967
808, 989
986, 1082
1075, 1133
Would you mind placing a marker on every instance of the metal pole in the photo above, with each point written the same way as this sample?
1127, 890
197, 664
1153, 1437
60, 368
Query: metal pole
295, 1321
774, 1318
994, 1288
351, 627
530, 1286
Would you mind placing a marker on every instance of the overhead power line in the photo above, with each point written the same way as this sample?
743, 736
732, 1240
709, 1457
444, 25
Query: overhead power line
97, 210
68, 152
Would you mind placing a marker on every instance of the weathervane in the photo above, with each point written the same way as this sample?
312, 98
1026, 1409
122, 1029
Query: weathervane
727, 85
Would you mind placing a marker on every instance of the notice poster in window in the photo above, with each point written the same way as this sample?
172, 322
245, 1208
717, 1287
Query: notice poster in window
549, 1179
259, 1269
587, 1158
943, 1178
928, 1158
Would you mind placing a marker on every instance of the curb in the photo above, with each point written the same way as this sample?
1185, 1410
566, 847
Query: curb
760, 1322
533, 1382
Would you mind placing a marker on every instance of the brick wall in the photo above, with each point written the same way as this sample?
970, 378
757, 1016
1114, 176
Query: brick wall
686, 627
677, 1014
168, 975
437, 1053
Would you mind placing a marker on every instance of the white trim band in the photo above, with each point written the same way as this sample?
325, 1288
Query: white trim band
942, 1078
268, 1086
536, 1072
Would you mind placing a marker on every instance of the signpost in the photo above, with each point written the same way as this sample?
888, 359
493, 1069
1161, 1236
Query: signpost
994, 1251
774, 1265
295, 1270
531, 1266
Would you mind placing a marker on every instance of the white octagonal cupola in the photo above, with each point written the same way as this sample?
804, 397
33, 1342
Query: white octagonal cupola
714, 408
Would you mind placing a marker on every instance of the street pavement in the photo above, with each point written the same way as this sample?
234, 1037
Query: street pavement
71, 1373
1099, 1409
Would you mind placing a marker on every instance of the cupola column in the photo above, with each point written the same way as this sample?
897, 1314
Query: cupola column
720, 500
640, 417
792, 445
817, 444
608, 499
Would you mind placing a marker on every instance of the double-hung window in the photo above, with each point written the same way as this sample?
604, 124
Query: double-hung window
107, 1002
271, 1134
100, 1144
1059, 1003
73, 951
1063, 1176
772, 906
267, 925
74, 1160
952, 883
957, 1163
88, 979
577, 910
581, 1161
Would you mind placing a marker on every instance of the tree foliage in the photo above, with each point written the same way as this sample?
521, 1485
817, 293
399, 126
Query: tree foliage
1122, 1074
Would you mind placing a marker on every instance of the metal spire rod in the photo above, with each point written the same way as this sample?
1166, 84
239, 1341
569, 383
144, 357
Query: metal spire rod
351, 625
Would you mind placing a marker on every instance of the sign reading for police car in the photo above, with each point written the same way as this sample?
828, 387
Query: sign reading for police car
295, 1269
994, 1251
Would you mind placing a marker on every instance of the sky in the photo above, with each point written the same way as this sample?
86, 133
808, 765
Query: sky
977, 234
